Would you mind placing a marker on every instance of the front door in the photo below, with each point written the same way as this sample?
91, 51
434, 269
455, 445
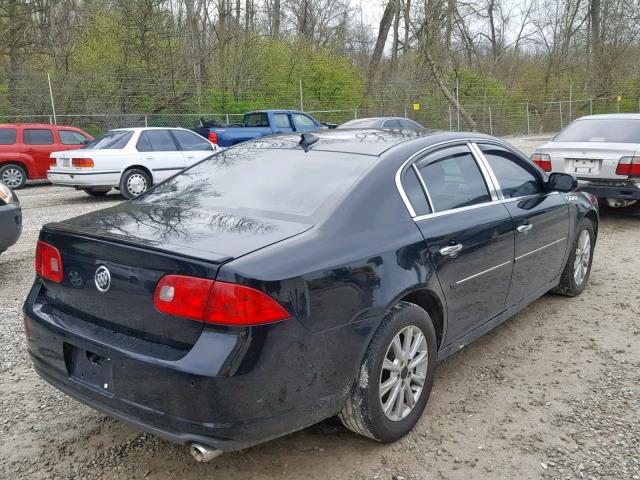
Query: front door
540, 218
469, 238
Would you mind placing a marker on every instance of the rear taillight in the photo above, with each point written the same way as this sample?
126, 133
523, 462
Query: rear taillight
53, 162
214, 302
213, 137
82, 162
628, 166
542, 160
48, 262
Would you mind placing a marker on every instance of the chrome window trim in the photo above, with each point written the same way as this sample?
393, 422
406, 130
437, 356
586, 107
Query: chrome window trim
457, 210
419, 154
424, 186
540, 248
487, 171
458, 141
483, 272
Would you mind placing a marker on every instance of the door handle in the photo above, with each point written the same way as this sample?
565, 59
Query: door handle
149, 158
525, 228
451, 250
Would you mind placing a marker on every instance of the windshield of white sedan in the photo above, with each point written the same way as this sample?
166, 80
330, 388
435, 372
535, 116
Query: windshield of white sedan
609, 131
267, 182
113, 140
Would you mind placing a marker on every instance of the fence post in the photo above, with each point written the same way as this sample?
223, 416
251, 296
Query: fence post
355, 113
528, 121
561, 122
405, 112
227, 116
450, 120
146, 121
490, 121
570, 98
301, 105
50, 120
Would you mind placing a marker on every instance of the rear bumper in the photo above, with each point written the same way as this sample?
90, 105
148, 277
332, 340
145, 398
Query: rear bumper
231, 390
108, 178
10, 225
625, 192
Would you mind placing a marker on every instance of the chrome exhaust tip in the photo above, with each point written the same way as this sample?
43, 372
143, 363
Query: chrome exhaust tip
202, 453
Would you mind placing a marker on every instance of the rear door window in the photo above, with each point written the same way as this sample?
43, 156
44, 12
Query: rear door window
191, 142
391, 124
278, 183
453, 179
38, 136
404, 123
156, 141
281, 120
69, 137
256, 120
112, 140
8, 136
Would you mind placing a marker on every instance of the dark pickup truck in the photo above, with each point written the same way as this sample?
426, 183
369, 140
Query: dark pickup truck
259, 124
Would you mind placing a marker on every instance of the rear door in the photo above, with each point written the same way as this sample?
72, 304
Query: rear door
469, 237
541, 221
160, 153
194, 148
282, 123
38, 143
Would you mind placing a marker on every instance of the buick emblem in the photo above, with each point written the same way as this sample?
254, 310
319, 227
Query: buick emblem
102, 279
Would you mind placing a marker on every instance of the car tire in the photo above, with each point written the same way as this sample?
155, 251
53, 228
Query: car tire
364, 411
575, 275
94, 192
13, 176
134, 182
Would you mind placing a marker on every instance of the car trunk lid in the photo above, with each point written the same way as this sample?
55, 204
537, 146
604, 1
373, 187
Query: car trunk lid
138, 244
586, 160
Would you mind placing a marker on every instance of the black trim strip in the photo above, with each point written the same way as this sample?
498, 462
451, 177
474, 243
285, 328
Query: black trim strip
83, 173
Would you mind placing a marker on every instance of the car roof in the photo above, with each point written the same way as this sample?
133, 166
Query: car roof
363, 141
36, 125
140, 129
612, 116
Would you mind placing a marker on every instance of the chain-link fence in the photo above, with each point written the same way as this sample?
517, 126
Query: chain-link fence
495, 119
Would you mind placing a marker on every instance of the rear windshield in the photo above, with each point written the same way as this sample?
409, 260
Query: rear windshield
601, 130
112, 140
286, 184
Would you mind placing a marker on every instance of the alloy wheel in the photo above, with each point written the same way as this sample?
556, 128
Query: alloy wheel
404, 370
12, 177
583, 255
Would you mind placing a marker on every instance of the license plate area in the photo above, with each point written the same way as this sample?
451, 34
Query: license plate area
90, 368
585, 165
65, 162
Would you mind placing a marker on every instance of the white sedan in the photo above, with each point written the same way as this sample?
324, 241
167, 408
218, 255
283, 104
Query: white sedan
128, 159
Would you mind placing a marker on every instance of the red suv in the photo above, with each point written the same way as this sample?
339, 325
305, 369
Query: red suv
25, 149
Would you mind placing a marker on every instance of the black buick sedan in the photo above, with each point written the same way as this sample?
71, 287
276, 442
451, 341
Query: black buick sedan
289, 279
10, 217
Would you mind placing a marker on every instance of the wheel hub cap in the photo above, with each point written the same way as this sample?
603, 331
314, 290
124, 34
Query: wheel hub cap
12, 177
137, 184
404, 371
582, 257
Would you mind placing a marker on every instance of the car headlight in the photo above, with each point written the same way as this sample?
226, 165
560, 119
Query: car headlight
6, 195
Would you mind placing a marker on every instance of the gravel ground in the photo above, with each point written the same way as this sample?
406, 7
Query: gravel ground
553, 393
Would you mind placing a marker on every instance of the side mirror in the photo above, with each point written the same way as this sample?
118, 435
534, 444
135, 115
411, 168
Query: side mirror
562, 182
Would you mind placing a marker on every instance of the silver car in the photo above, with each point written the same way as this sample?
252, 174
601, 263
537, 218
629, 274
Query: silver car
604, 150
382, 122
